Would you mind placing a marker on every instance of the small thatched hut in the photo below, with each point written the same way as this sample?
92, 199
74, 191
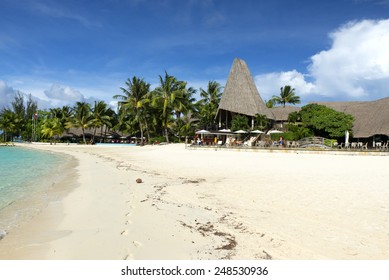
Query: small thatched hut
240, 96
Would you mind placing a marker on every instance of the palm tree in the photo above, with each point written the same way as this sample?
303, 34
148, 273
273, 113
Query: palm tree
100, 117
261, 122
136, 96
184, 100
185, 126
269, 103
166, 93
287, 95
82, 117
8, 120
210, 103
51, 127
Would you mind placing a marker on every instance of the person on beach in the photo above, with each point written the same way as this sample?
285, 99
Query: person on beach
281, 141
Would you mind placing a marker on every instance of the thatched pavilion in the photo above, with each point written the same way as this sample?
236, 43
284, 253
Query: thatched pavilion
371, 117
240, 96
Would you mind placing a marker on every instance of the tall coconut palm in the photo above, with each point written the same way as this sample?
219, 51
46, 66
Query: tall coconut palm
209, 103
82, 117
166, 93
100, 117
184, 100
136, 97
287, 95
51, 127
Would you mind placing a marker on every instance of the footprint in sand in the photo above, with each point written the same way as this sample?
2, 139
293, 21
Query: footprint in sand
137, 243
128, 214
128, 222
124, 232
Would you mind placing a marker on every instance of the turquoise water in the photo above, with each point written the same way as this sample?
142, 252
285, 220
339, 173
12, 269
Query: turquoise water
22, 171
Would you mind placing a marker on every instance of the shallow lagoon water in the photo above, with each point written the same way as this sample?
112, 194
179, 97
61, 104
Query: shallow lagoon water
24, 173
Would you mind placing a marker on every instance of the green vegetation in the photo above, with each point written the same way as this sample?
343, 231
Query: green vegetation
239, 122
325, 122
287, 95
318, 120
167, 113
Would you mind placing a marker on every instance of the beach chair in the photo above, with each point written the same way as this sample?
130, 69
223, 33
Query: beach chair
364, 147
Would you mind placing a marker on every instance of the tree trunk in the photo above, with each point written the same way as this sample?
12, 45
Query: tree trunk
83, 135
147, 132
141, 134
166, 134
101, 134
94, 134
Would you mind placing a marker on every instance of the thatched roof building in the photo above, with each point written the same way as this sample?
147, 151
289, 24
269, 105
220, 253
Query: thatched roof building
282, 113
240, 95
371, 117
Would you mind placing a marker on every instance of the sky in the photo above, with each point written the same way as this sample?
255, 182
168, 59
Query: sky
61, 52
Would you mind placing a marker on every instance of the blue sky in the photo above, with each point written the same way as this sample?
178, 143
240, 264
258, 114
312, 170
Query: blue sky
66, 51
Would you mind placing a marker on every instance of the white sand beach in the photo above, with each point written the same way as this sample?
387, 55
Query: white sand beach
210, 204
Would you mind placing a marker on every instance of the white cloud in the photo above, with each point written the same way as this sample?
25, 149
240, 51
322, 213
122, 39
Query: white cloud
63, 93
355, 67
56, 96
269, 84
59, 95
7, 94
358, 55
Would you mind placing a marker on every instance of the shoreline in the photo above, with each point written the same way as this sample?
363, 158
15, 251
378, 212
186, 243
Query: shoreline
42, 207
214, 204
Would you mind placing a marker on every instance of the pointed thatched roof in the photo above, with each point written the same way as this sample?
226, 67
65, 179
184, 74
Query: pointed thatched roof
240, 93
371, 117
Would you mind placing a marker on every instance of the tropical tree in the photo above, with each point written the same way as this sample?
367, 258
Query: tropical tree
261, 122
100, 117
51, 127
8, 120
82, 117
326, 122
61, 114
270, 103
239, 122
165, 94
19, 110
287, 95
186, 125
209, 103
136, 97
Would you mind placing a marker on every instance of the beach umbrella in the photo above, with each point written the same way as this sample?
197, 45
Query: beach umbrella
274, 131
225, 130
257, 131
203, 131
240, 131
